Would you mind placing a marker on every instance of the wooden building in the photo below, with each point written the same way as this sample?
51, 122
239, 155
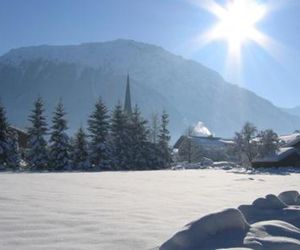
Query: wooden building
22, 136
288, 154
194, 148
207, 142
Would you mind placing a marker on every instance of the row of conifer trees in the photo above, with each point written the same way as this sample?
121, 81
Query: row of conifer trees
119, 141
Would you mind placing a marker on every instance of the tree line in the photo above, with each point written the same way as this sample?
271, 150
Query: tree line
116, 141
248, 144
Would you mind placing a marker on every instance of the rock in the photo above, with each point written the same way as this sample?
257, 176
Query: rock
223, 228
268, 223
270, 202
290, 197
224, 164
206, 161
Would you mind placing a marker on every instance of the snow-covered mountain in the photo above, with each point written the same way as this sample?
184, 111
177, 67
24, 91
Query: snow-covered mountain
293, 111
159, 79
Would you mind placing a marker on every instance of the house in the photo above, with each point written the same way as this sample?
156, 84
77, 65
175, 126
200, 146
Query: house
206, 142
201, 136
194, 148
200, 143
22, 136
288, 154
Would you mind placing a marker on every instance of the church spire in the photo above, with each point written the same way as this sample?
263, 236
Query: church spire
127, 104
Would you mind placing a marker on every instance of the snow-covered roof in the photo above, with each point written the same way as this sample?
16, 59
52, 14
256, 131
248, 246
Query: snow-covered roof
18, 129
290, 140
278, 155
209, 141
205, 141
227, 141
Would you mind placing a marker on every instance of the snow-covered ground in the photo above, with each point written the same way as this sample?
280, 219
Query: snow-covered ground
269, 223
120, 210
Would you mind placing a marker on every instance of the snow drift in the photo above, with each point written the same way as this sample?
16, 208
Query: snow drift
269, 223
122, 210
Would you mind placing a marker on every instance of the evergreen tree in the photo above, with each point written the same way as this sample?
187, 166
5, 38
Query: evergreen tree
98, 126
163, 141
37, 154
153, 156
154, 129
120, 139
80, 151
138, 140
59, 141
3, 137
14, 156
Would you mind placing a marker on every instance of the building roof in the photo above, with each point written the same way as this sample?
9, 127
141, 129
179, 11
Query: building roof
227, 141
18, 130
208, 141
179, 141
290, 140
205, 141
279, 155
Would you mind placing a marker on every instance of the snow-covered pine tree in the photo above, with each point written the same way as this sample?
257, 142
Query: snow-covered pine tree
14, 156
3, 137
163, 140
37, 154
120, 138
138, 140
98, 127
80, 156
154, 158
154, 129
59, 141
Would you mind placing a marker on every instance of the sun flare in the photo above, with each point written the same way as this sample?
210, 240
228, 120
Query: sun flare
237, 24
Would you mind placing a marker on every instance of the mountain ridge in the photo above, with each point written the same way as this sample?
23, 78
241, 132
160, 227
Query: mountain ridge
188, 90
293, 111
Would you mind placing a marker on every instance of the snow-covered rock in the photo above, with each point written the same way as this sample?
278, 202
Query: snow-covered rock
211, 230
269, 223
224, 165
207, 162
290, 197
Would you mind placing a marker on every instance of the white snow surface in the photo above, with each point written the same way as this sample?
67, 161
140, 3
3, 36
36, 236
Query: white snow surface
268, 223
124, 210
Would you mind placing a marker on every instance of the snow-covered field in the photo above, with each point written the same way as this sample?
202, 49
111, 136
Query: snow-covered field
119, 210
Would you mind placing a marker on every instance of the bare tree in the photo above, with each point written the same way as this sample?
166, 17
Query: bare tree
246, 143
268, 142
189, 151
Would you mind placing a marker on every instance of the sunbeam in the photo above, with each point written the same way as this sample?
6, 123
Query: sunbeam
236, 25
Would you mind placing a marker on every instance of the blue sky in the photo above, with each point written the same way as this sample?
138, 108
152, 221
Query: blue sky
172, 24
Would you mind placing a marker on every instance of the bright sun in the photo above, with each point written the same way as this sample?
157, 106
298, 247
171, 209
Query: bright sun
236, 23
